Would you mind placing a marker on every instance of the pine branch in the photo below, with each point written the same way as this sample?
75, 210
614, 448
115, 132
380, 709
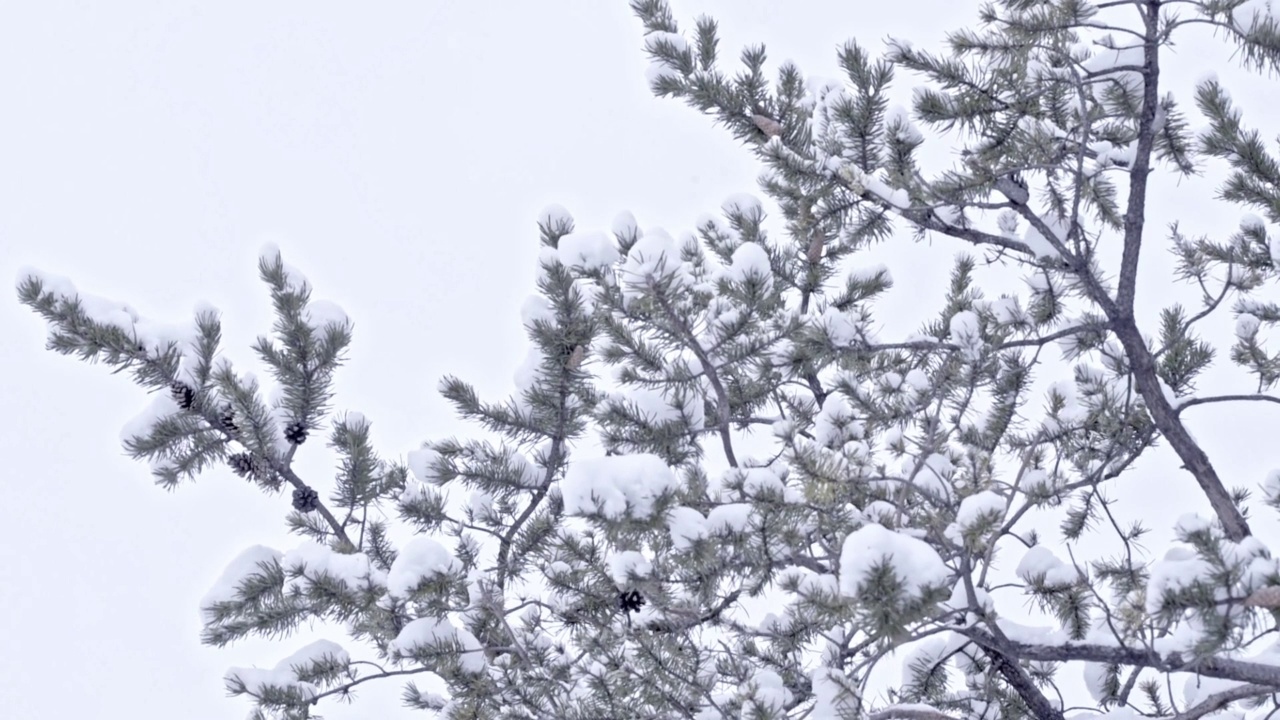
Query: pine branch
1166, 419
1212, 666
344, 689
723, 407
1184, 403
908, 712
285, 469
926, 220
1221, 700
1021, 682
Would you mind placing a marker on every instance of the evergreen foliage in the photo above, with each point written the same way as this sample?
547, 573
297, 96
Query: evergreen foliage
722, 489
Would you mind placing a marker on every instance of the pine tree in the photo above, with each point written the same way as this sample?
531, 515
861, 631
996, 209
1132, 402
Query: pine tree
722, 489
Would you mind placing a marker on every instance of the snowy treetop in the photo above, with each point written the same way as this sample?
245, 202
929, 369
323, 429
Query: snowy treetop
731, 483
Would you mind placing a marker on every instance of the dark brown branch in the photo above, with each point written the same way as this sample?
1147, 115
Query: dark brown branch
1213, 666
1020, 680
1136, 212
1194, 459
1141, 360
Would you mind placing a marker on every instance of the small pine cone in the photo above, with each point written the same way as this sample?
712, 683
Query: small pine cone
305, 499
241, 464
182, 394
228, 422
576, 357
767, 125
631, 601
1267, 597
296, 433
815, 250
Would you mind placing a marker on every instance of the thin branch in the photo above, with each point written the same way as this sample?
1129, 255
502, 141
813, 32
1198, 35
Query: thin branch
1218, 701
927, 220
1191, 402
554, 458
722, 397
1136, 212
909, 712
346, 687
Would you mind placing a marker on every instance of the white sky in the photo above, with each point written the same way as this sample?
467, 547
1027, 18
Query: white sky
399, 154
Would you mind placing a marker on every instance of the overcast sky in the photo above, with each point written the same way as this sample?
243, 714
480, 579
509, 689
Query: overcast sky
398, 153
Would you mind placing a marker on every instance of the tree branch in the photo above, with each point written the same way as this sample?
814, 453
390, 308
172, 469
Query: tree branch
1191, 402
908, 712
1218, 701
722, 398
1217, 667
286, 472
1194, 459
346, 687
1020, 680
1143, 363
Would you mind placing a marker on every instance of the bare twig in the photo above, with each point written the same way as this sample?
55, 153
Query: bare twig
1183, 404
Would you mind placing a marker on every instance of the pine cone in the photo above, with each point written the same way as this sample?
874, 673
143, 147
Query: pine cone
305, 499
296, 433
182, 394
228, 422
815, 250
767, 125
241, 464
631, 601
1266, 597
